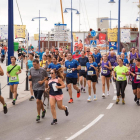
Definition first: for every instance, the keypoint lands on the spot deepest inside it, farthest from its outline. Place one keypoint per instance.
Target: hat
(77, 51)
(111, 48)
(56, 48)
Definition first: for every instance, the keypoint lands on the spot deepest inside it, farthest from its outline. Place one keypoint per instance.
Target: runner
(121, 81)
(76, 56)
(106, 68)
(125, 60)
(13, 71)
(137, 52)
(43, 62)
(2, 55)
(46, 52)
(97, 57)
(61, 58)
(19, 54)
(136, 81)
(40, 54)
(5, 110)
(56, 85)
(71, 78)
(88, 52)
(133, 54)
(123, 51)
(54, 64)
(38, 76)
(82, 73)
(56, 54)
(29, 65)
(91, 68)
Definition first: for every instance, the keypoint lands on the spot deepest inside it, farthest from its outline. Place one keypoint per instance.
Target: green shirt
(13, 74)
(22, 49)
(119, 70)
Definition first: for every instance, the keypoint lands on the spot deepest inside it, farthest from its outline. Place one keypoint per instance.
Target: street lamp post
(71, 23)
(39, 25)
(119, 6)
(10, 31)
(108, 19)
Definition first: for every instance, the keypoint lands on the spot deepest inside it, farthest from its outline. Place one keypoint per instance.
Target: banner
(3, 32)
(20, 31)
(113, 45)
(36, 36)
(112, 35)
(102, 38)
(125, 35)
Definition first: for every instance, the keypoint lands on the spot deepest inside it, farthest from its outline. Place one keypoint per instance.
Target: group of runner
(49, 72)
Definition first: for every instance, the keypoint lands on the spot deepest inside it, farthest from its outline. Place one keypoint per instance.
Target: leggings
(121, 85)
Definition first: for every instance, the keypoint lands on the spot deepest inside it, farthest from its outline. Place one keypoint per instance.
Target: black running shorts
(71, 81)
(38, 94)
(84, 74)
(135, 85)
(92, 78)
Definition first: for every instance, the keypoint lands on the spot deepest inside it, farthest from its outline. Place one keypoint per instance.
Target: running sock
(14, 99)
(70, 98)
(4, 105)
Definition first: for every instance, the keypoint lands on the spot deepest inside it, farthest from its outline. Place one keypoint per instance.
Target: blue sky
(89, 9)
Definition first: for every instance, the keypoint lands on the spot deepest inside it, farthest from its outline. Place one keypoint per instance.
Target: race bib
(83, 67)
(120, 78)
(69, 71)
(138, 77)
(13, 78)
(90, 72)
(104, 71)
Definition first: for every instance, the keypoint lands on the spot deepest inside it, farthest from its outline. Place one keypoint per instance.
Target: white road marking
(110, 105)
(86, 128)
(114, 98)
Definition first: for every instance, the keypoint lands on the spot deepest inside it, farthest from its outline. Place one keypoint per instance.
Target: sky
(90, 10)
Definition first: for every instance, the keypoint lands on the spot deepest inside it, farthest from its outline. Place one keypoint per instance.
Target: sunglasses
(52, 73)
(88, 51)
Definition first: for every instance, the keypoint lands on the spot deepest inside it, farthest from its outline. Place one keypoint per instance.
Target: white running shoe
(108, 93)
(89, 99)
(103, 95)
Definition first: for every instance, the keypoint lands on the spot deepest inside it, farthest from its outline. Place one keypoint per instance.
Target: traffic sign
(93, 33)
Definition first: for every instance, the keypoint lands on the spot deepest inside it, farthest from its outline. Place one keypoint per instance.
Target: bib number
(90, 72)
(13, 78)
(104, 71)
(83, 67)
(138, 77)
(120, 78)
(69, 71)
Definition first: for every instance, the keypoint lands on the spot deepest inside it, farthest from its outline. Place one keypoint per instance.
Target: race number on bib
(90, 72)
(13, 78)
(83, 67)
(69, 71)
(120, 78)
(138, 77)
(104, 71)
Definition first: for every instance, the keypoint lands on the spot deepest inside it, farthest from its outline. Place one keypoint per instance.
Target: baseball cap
(77, 51)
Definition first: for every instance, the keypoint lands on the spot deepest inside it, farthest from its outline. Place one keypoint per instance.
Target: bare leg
(103, 84)
(52, 103)
(94, 87)
(108, 83)
(2, 100)
(15, 91)
(76, 88)
(31, 88)
(84, 82)
(81, 81)
(60, 106)
(70, 90)
(89, 87)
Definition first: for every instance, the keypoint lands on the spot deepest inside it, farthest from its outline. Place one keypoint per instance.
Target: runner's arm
(110, 68)
(61, 83)
(1, 71)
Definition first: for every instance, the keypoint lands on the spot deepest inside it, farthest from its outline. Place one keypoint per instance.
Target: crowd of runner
(53, 70)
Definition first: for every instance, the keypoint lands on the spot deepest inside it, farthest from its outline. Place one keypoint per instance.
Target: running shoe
(84, 90)
(135, 99)
(14, 102)
(5, 110)
(123, 101)
(117, 101)
(31, 99)
(54, 122)
(67, 111)
(95, 97)
(43, 113)
(108, 93)
(103, 95)
(137, 102)
(78, 94)
(89, 99)
(70, 101)
(38, 118)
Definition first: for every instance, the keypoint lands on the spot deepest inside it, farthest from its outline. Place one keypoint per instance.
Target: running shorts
(71, 81)
(84, 74)
(92, 78)
(38, 94)
(135, 85)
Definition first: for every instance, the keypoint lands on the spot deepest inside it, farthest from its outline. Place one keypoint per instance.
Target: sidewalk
(23, 95)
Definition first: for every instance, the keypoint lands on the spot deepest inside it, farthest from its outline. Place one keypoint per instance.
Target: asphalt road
(86, 121)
